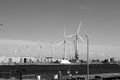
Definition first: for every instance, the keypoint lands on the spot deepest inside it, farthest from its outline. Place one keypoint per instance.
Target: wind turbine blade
(64, 33)
(79, 27)
(82, 39)
(68, 42)
(55, 42)
(71, 35)
(59, 43)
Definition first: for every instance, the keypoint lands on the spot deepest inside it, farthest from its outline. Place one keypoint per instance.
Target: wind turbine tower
(76, 42)
(64, 45)
(65, 41)
(76, 48)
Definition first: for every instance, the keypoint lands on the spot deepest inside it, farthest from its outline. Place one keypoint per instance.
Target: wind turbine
(64, 42)
(53, 47)
(53, 44)
(59, 42)
(77, 36)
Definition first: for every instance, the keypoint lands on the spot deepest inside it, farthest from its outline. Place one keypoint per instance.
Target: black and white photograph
(59, 39)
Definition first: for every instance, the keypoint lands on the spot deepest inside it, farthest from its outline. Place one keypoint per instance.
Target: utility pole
(87, 57)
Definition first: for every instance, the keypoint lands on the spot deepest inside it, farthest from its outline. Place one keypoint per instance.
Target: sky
(30, 21)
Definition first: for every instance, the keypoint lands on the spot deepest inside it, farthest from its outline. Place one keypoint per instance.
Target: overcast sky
(45, 20)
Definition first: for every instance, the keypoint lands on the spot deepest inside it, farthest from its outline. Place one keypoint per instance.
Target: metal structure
(87, 57)
(77, 36)
(59, 42)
